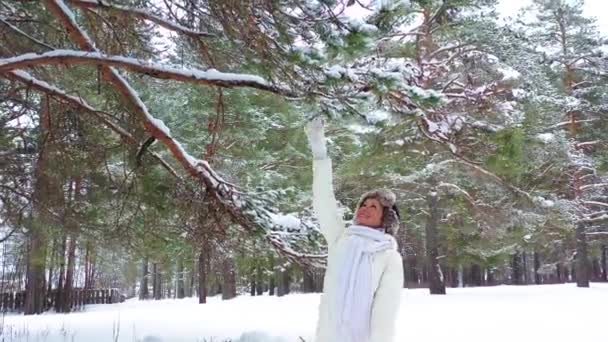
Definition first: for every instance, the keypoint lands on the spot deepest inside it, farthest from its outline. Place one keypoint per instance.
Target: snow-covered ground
(553, 313)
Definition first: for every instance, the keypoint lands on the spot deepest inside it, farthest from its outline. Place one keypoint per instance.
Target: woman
(364, 276)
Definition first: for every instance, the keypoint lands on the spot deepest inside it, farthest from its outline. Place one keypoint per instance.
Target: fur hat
(390, 216)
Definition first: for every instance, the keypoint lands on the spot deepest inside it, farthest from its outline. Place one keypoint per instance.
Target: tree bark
(308, 284)
(59, 295)
(259, 289)
(202, 275)
(143, 287)
(604, 262)
(476, 275)
(582, 259)
(89, 275)
(282, 281)
(524, 267)
(69, 276)
(436, 281)
(229, 279)
(156, 281)
(596, 270)
(537, 276)
(35, 282)
(53, 253)
(516, 269)
(180, 278)
(46, 194)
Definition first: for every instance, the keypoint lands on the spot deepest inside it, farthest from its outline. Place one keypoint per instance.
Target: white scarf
(355, 294)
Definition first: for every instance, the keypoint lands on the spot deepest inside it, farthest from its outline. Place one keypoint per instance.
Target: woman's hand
(316, 137)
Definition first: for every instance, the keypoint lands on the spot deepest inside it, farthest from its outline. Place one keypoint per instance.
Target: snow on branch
(46, 88)
(242, 209)
(597, 185)
(595, 219)
(588, 143)
(209, 77)
(597, 234)
(459, 189)
(506, 184)
(19, 31)
(599, 204)
(140, 13)
(566, 123)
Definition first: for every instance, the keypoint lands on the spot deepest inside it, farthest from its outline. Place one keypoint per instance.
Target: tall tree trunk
(308, 284)
(202, 275)
(59, 295)
(411, 271)
(35, 282)
(271, 286)
(516, 269)
(229, 279)
(143, 287)
(476, 275)
(436, 281)
(537, 277)
(283, 280)
(271, 281)
(252, 285)
(460, 275)
(193, 274)
(604, 262)
(69, 276)
(157, 281)
(524, 266)
(89, 266)
(286, 280)
(559, 270)
(490, 277)
(259, 289)
(180, 278)
(582, 259)
(596, 270)
(46, 194)
(53, 253)
(72, 226)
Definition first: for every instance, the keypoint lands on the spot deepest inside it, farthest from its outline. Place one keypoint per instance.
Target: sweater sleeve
(387, 300)
(324, 201)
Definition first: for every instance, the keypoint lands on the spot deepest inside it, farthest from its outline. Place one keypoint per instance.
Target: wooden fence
(15, 301)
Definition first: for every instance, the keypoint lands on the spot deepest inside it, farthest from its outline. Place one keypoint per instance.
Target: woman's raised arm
(324, 200)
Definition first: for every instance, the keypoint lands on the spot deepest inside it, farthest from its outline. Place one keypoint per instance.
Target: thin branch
(210, 77)
(7, 236)
(446, 48)
(595, 219)
(44, 87)
(599, 204)
(140, 13)
(495, 177)
(588, 143)
(19, 31)
(597, 185)
(459, 189)
(566, 123)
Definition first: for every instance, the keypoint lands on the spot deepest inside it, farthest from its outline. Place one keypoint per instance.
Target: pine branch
(22, 33)
(599, 204)
(80, 103)
(210, 77)
(240, 208)
(140, 13)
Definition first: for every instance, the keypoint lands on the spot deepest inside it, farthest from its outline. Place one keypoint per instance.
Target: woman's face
(370, 213)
